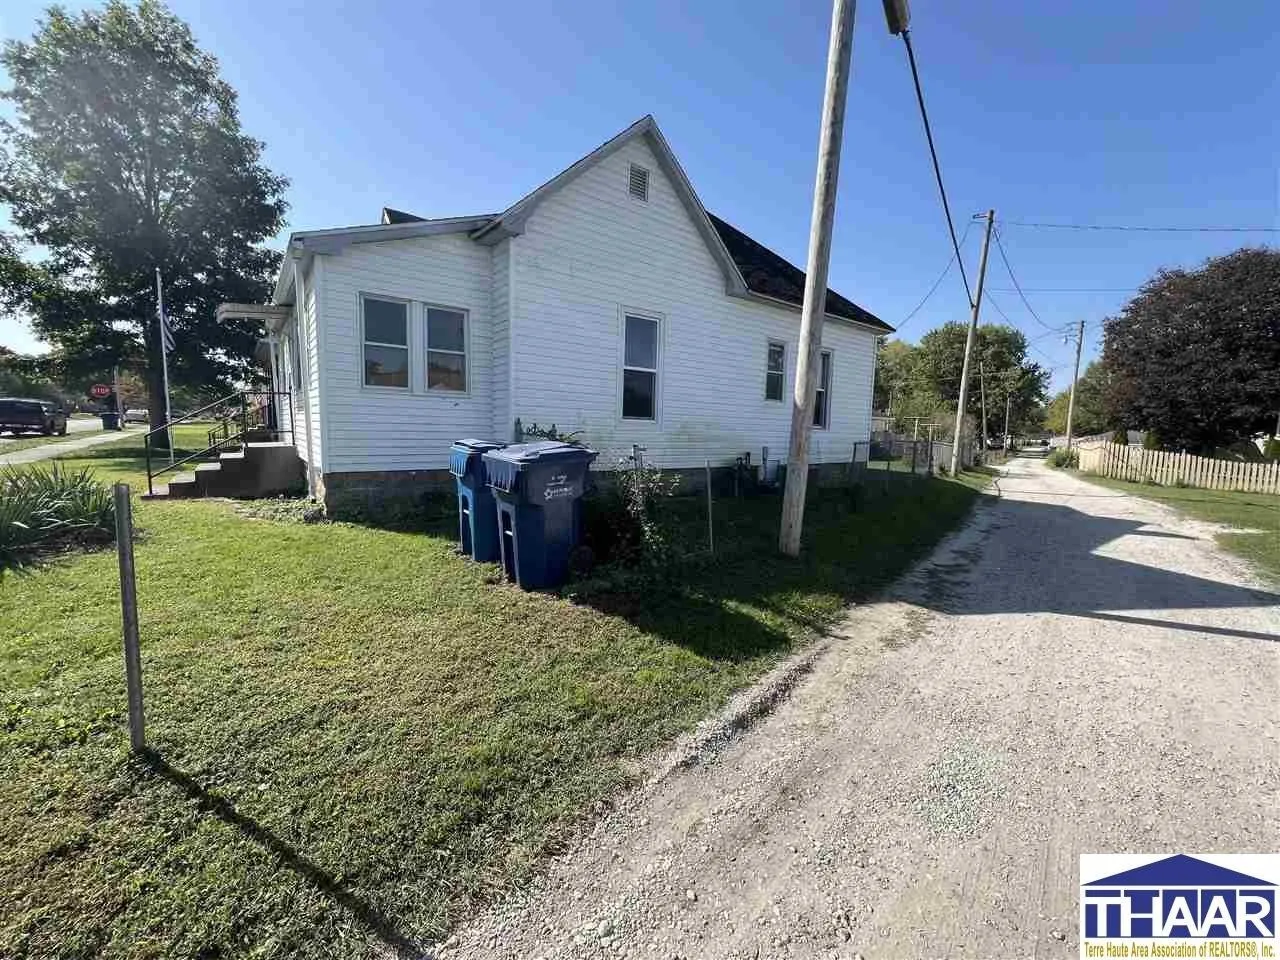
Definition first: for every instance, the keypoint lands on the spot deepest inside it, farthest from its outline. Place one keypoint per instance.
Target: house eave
(879, 330)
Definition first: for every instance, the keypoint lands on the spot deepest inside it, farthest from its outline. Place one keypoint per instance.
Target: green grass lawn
(1255, 512)
(357, 735)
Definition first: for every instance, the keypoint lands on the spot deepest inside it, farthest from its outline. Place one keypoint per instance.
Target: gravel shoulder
(1073, 672)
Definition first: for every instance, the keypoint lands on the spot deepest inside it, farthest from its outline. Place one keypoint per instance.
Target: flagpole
(164, 360)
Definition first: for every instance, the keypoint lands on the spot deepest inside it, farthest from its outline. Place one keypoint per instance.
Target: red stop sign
(100, 390)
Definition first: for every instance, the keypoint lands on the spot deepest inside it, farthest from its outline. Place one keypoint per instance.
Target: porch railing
(235, 419)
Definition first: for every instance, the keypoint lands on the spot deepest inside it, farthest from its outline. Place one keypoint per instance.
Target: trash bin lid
(467, 453)
(503, 466)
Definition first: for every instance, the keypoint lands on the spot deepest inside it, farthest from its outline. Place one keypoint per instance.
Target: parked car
(135, 415)
(25, 415)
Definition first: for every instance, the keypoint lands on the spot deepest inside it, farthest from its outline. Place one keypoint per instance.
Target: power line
(937, 170)
(1137, 228)
(1068, 289)
(1026, 303)
(937, 283)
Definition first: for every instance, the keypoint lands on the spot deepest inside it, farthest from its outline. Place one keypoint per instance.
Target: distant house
(607, 301)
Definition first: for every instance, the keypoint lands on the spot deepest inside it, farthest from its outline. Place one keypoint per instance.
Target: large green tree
(1000, 351)
(1195, 356)
(1092, 415)
(126, 155)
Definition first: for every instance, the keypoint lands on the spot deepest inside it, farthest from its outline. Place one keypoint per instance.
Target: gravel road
(1074, 672)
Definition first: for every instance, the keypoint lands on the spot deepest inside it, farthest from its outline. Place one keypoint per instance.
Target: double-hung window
(640, 368)
(446, 349)
(775, 370)
(822, 401)
(386, 342)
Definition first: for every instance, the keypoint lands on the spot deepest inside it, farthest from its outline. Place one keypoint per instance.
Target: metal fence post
(129, 615)
(711, 532)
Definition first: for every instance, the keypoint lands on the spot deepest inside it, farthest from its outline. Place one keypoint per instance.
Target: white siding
(383, 428)
(500, 306)
(312, 368)
(589, 252)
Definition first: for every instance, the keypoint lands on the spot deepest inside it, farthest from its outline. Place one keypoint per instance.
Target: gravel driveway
(1076, 671)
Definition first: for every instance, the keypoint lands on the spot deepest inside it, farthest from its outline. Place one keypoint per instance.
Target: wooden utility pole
(1071, 401)
(809, 354)
(1007, 398)
(968, 344)
(982, 390)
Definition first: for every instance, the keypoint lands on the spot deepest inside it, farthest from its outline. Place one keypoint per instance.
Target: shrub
(1120, 437)
(630, 523)
(1064, 459)
(1150, 441)
(1271, 452)
(46, 508)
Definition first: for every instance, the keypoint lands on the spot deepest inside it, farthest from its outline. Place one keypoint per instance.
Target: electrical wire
(937, 169)
(1026, 303)
(937, 283)
(1138, 229)
(1068, 289)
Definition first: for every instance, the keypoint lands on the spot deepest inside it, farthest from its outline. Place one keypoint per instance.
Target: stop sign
(100, 390)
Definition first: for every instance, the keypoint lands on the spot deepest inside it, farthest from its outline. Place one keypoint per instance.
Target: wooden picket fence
(1170, 469)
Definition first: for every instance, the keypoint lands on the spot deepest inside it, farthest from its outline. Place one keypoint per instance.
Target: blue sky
(1087, 112)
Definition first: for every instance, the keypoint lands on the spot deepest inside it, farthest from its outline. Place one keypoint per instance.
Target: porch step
(255, 470)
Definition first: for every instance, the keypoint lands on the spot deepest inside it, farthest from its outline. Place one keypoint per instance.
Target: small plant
(44, 508)
(535, 432)
(1064, 459)
(1271, 451)
(1120, 437)
(1150, 441)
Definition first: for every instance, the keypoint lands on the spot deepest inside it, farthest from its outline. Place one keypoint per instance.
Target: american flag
(166, 331)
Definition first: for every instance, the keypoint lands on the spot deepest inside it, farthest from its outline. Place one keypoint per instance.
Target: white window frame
(408, 345)
(623, 366)
(769, 344)
(827, 389)
(648, 182)
(466, 350)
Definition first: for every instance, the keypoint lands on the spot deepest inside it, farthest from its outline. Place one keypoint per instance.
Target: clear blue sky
(1089, 112)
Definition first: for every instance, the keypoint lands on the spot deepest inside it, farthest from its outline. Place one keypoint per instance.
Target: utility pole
(1007, 398)
(1071, 401)
(982, 389)
(809, 354)
(968, 344)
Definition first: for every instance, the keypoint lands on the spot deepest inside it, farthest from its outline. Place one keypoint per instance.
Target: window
(639, 182)
(822, 401)
(386, 342)
(640, 369)
(775, 370)
(446, 349)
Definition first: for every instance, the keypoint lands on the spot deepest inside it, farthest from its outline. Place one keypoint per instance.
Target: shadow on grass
(374, 920)
(749, 599)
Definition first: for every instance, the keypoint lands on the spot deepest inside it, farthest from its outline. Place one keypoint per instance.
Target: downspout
(299, 306)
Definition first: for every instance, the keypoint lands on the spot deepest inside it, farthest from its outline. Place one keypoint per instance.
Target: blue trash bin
(537, 490)
(477, 519)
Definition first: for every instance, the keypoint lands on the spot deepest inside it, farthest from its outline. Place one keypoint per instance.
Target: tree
(126, 155)
(1002, 351)
(1092, 414)
(1195, 356)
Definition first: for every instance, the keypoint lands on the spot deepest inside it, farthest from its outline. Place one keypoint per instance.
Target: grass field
(1256, 513)
(356, 735)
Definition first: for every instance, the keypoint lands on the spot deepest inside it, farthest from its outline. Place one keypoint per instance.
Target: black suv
(21, 415)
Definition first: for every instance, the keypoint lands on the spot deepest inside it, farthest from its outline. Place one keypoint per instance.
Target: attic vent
(639, 182)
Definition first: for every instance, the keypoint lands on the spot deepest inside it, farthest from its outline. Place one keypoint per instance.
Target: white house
(607, 301)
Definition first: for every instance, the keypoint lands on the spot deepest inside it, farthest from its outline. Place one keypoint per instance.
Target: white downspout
(299, 306)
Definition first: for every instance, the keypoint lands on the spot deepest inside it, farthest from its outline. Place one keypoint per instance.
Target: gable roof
(771, 275)
(1179, 870)
(512, 220)
(750, 269)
